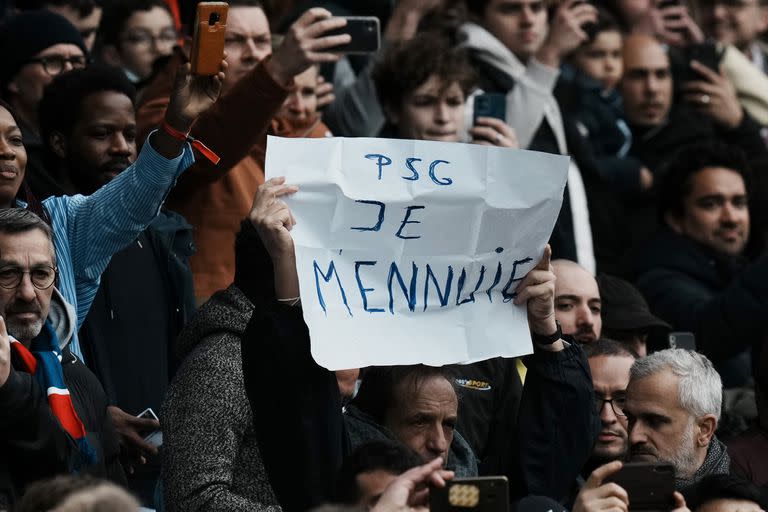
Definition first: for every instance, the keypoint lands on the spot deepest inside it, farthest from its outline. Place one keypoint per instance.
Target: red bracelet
(185, 137)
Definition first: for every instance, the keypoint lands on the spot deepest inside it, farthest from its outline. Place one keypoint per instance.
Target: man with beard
(706, 107)
(53, 416)
(673, 405)
(695, 272)
(88, 125)
(577, 301)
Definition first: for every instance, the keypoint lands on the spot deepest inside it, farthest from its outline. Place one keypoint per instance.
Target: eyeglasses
(617, 404)
(42, 277)
(55, 64)
(146, 39)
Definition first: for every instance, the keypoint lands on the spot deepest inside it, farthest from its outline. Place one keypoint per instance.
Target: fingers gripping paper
(410, 251)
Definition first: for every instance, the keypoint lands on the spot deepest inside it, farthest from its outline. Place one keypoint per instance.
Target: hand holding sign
(273, 221)
(538, 291)
(411, 251)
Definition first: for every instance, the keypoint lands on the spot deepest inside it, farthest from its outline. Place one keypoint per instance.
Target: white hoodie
(531, 100)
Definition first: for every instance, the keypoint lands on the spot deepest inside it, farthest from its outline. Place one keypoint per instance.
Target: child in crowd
(592, 75)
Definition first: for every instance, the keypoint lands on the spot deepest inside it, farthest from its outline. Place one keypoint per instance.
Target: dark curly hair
(677, 176)
(406, 66)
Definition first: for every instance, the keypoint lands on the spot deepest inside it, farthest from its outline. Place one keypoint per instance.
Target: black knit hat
(27, 34)
(624, 308)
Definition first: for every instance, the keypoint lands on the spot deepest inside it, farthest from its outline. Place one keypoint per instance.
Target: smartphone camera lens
(213, 18)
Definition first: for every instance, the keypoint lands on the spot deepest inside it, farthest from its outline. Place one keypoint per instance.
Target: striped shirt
(88, 230)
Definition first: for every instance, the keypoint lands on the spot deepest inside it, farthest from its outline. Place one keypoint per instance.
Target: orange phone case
(208, 42)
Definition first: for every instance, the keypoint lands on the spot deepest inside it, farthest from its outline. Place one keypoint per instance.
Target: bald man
(577, 301)
(662, 122)
(647, 83)
(707, 106)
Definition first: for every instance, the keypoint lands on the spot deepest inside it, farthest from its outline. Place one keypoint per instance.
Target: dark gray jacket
(211, 460)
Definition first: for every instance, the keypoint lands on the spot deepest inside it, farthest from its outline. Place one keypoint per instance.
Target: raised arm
(240, 119)
(88, 230)
(303, 449)
(557, 425)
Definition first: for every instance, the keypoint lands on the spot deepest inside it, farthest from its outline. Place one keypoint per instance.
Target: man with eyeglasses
(135, 34)
(52, 407)
(36, 46)
(609, 364)
(740, 23)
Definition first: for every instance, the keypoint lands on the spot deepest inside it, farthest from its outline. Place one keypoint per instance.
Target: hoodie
(211, 460)
(529, 97)
(34, 445)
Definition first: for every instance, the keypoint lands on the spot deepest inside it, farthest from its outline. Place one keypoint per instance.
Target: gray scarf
(717, 462)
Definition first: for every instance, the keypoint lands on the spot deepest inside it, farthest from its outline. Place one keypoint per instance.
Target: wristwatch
(542, 339)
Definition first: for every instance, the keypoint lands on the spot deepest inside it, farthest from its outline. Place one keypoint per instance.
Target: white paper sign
(409, 251)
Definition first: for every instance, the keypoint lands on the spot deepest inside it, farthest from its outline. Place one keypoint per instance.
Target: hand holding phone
(672, 23)
(364, 33)
(208, 41)
(649, 486)
(154, 437)
(306, 43)
(481, 494)
(565, 32)
(596, 491)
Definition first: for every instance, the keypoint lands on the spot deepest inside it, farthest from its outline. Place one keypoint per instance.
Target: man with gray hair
(53, 410)
(673, 406)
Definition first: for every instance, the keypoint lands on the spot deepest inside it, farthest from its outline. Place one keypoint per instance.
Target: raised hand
(674, 25)
(273, 221)
(192, 95)
(565, 31)
(537, 290)
(597, 496)
(714, 95)
(305, 44)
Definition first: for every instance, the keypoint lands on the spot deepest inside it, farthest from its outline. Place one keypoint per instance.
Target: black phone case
(649, 486)
(365, 32)
(490, 105)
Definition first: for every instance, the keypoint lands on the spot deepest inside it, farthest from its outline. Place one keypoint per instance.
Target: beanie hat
(624, 307)
(27, 34)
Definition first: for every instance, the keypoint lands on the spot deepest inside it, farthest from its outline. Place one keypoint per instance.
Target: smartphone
(365, 32)
(685, 340)
(482, 494)
(489, 105)
(703, 53)
(650, 485)
(208, 41)
(155, 437)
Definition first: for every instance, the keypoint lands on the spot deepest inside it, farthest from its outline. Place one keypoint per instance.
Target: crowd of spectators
(139, 273)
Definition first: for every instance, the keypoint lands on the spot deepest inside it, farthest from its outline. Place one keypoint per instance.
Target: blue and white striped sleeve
(99, 225)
